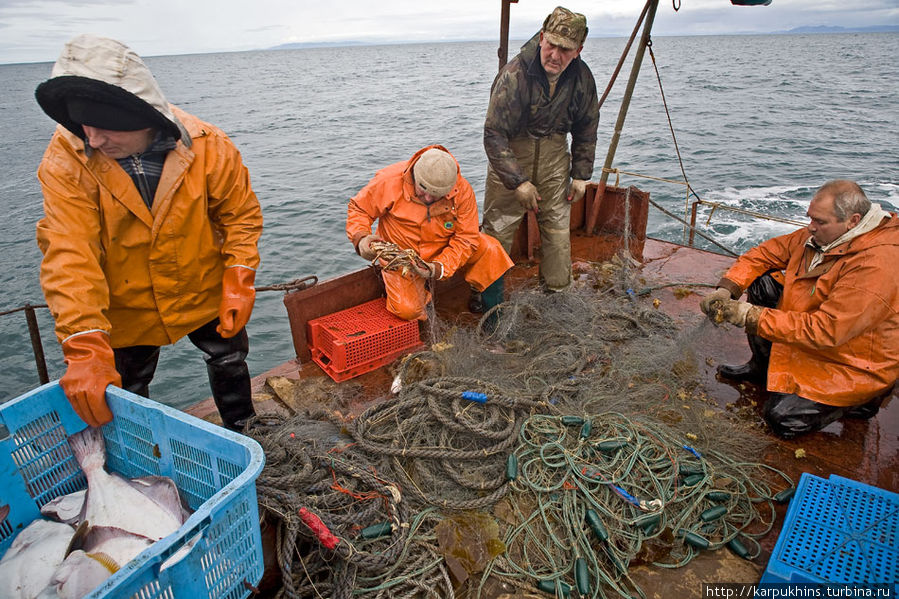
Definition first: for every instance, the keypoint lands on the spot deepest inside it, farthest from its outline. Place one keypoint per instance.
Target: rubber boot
(491, 297)
(475, 302)
(790, 415)
(136, 365)
(866, 411)
(869, 409)
(756, 369)
(229, 376)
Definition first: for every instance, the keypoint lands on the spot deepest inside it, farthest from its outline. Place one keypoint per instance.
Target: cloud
(35, 31)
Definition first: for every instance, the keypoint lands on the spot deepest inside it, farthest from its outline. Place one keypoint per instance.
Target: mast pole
(622, 113)
(503, 51)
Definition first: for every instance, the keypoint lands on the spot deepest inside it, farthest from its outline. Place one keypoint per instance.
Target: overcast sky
(35, 30)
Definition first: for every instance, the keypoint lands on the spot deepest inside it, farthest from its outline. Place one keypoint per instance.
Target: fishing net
(554, 446)
(322, 491)
(594, 497)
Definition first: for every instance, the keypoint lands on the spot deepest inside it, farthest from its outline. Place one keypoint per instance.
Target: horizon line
(801, 30)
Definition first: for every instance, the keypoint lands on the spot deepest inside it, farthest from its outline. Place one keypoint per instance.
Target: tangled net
(337, 518)
(567, 446)
(594, 497)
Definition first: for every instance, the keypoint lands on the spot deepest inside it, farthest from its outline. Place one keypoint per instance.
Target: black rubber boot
(475, 302)
(491, 297)
(136, 364)
(756, 369)
(229, 376)
(790, 415)
(867, 410)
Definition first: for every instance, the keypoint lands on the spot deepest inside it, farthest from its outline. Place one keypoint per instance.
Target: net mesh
(556, 447)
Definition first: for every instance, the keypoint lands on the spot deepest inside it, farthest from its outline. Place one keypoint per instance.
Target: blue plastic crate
(837, 531)
(214, 469)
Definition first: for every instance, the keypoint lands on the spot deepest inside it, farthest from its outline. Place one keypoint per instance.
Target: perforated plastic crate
(837, 531)
(359, 339)
(214, 469)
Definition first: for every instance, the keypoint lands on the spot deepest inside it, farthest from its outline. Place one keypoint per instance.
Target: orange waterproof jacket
(444, 232)
(835, 332)
(145, 278)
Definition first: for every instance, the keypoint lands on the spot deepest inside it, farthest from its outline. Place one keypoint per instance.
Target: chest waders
(547, 162)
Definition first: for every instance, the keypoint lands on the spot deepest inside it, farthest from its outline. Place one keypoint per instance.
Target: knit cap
(435, 172)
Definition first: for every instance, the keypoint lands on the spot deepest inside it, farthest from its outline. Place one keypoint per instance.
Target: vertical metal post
(503, 51)
(622, 113)
(693, 223)
(36, 346)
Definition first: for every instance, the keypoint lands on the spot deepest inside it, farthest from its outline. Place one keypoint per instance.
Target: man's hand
(430, 270)
(709, 302)
(238, 297)
(91, 367)
(735, 311)
(576, 190)
(527, 196)
(364, 247)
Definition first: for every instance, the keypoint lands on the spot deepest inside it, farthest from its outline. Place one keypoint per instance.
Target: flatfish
(104, 552)
(161, 489)
(111, 501)
(28, 565)
(117, 519)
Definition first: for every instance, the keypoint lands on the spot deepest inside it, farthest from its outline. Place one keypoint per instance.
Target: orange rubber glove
(238, 295)
(91, 367)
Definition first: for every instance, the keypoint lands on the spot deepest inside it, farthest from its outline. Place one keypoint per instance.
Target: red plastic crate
(359, 339)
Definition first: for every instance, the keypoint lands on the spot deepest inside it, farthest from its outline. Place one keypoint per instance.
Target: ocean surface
(761, 122)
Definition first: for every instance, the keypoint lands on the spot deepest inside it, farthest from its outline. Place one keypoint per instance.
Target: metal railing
(715, 206)
(35, 333)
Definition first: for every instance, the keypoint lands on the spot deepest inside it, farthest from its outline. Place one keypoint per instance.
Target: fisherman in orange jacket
(149, 232)
(823, 313)
(424, 204)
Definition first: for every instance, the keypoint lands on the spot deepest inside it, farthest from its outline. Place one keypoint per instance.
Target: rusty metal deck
(867, 451)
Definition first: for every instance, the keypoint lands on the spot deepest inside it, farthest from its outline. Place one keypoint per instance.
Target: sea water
(760, 122)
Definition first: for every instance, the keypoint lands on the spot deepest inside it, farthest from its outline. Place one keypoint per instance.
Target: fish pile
(90, 534)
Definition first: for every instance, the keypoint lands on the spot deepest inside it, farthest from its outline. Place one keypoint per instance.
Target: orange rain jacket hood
(146, 277)
(444, 232)
(835, 333)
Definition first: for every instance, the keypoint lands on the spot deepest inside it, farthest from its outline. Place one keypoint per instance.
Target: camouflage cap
(565, 28)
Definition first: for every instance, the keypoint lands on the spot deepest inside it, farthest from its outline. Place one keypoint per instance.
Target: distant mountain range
(297, 45)
(795, 30)
(832, 29)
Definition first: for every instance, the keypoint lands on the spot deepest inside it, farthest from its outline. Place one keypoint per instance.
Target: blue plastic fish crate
(837, 531)
(214, 469)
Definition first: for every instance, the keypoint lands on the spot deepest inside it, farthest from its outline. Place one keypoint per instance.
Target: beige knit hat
(436, 172)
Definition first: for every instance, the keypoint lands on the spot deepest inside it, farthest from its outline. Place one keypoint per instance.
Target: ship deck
(866, 451)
